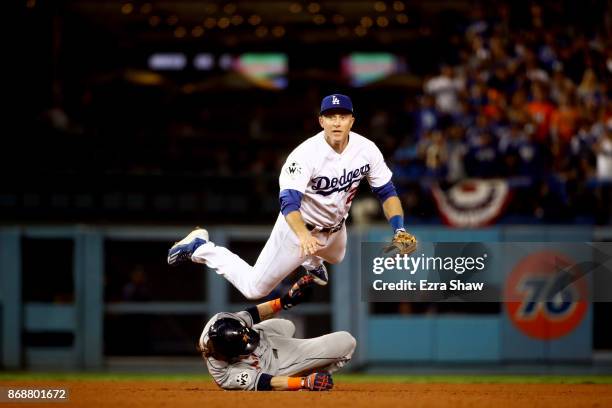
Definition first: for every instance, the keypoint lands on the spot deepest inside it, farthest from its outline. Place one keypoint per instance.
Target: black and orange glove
(318, 382)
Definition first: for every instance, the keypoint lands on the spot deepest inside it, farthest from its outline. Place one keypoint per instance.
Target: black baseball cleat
(298, 293)
(305, 282)
(319, 275)
(182, 251)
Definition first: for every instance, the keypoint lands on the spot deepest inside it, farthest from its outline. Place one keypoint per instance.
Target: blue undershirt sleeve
(290, 200)
(385, 191)
(264, 383)
(254, 312)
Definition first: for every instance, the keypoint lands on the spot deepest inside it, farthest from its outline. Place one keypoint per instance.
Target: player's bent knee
(336, 259)
(256, 292)
(289, 328)
(347, 341)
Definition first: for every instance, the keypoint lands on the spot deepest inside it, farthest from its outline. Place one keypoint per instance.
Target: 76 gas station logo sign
(542, 299)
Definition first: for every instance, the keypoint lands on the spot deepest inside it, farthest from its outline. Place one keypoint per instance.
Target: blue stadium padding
(10, 293)
(518, 347)
(217, 293)
(483, 338)
(415, 338)
(89, 285)
(50, 357)
(343, 277)
(427, 339)
(400, 339)
(467, 339)
(439, 234)
(349, 300)
(547, 233)
(577, 345)
(49, 317)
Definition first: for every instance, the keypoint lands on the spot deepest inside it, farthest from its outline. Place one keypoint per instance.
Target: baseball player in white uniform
(244, 352)
(317, 185)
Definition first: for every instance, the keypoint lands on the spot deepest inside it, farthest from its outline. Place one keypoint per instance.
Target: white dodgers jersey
(329, 180)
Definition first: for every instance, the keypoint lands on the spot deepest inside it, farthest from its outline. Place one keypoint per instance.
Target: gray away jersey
(243, 374)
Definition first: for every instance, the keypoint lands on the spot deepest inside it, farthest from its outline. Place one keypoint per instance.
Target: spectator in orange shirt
(541, 112)
(564, 121)
(496, 105)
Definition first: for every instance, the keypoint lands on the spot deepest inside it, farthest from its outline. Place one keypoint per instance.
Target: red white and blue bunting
(472, 203)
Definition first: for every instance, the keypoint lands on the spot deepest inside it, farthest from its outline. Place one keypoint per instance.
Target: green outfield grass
(476, 379)
(347, 378)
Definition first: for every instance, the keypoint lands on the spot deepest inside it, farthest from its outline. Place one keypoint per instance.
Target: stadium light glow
(203, 61)
(167, 61)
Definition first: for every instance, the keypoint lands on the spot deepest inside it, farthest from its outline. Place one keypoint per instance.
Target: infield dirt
(176, 394)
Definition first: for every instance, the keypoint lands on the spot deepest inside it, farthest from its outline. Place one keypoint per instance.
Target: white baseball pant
(279, 257)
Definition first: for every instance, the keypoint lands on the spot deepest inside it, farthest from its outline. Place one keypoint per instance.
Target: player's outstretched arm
(320, 381)
(391, 204)
(294, 296)
(392, 207)
(314, 382)
(402, 242)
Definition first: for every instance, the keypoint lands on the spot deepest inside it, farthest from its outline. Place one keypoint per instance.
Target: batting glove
(318, 382)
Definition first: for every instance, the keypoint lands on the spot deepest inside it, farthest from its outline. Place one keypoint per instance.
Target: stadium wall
(400, 339)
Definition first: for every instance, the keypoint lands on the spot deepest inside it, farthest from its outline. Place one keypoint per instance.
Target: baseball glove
(403, 243)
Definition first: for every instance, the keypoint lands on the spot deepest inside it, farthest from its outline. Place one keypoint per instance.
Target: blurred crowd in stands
(515, 91)
(529, 102)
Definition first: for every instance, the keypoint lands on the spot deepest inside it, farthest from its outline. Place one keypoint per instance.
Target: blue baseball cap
(336, 101)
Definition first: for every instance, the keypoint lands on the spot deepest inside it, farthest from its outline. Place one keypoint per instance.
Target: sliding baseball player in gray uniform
(249, 350)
